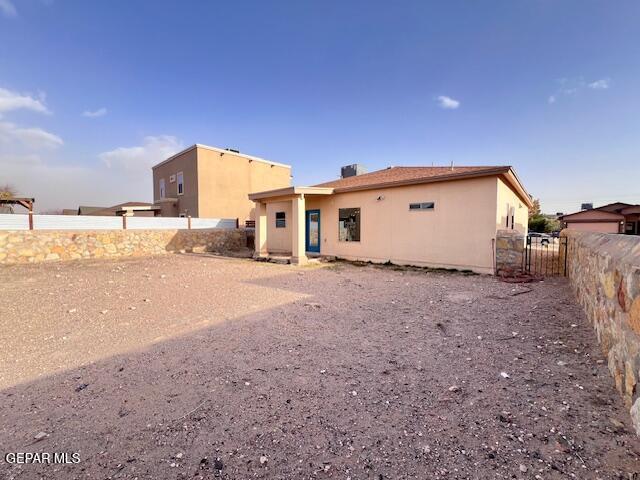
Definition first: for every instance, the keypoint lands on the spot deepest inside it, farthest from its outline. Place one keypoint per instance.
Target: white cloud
(8, 8)
(30, 138)
(447, 103)
(142, 158)
(602, 84)
(122, 175)
(572, 87)
(15, 101)
(101, 112)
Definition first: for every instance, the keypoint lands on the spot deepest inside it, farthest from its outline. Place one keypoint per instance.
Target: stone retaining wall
(509, 252)
(50, 245)
(604, 271)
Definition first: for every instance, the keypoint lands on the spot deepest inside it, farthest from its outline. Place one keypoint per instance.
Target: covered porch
(284, 226)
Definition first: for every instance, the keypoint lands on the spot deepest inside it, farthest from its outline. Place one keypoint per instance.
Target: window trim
(180, 182)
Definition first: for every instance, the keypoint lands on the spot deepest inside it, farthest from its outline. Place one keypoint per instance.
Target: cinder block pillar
(261, 230)
(298, 255)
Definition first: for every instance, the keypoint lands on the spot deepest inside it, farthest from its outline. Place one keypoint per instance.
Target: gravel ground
(188, 366)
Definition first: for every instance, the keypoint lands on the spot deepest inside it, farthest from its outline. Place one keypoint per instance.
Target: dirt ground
(188, 366)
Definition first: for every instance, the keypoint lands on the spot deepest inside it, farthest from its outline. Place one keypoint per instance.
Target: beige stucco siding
(186, 163)
(458, 233)
(279, 238)
(507, 199)
(224, 182)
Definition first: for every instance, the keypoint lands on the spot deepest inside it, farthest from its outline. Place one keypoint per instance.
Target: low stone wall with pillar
(604, 272)
(34, 246)
(510, 246)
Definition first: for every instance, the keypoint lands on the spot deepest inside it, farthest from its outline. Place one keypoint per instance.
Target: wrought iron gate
(545, 255)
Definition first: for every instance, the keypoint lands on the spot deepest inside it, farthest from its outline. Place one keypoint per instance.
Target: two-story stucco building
(209, 182)
(427, 216)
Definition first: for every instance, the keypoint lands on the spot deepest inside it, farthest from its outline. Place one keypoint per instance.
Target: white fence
(88, 222)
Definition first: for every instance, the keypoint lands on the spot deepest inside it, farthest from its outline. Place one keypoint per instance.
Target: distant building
(129, 209)
(615, 217)
(209, 182)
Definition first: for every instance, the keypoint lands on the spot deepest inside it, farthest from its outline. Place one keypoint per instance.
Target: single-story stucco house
(425, 216)
(617, 217)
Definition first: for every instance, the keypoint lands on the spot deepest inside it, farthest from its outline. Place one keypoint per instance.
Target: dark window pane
(349, 224)
(281, 220)
(422, 206)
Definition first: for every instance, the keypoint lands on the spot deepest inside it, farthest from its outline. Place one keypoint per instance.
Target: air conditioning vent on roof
(352, 170)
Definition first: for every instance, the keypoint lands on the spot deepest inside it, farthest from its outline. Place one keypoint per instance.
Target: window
(281, 220)
(162, 188)
(180, 183)
(511, 211)
(422, 206)
(349, 224)
(172, 179)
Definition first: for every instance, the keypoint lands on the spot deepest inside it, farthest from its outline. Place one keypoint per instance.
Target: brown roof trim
(595, 220)
(418, 181)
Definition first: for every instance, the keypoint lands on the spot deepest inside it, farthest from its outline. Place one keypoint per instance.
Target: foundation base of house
(281, 259)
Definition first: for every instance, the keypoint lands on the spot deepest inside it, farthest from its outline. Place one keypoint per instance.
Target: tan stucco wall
(279, 239)
(507, 198)
(458, 233)
(187, 203)
(215, 185)
(597, 227)
(224, 182)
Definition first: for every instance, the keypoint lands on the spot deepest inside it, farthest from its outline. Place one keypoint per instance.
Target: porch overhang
(297, 196)
(289, 192)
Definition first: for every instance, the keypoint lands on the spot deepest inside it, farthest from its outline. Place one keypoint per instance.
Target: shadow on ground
(364, 373)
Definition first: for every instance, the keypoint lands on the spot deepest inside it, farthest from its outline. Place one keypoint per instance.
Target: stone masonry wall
(509, 252)
(50, 245)
(604, 271)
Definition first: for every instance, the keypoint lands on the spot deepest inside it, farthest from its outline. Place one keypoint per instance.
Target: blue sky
(93, 93)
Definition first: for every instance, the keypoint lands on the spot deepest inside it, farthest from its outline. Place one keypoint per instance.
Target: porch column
(261, 230)
(298, 208)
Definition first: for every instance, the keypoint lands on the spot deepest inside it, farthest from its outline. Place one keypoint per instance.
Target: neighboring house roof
(614, 207)
(86, 210)
(221, 151)
(610, 212)
(630, 210)
(110, 211)
(593, 215)
(69, 211)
